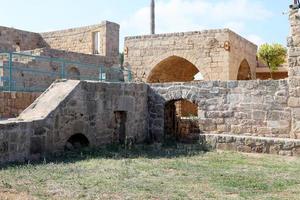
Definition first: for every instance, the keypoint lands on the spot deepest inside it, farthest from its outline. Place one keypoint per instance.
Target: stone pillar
(294, 72)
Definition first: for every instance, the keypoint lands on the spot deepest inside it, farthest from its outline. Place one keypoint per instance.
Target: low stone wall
(248, 144)
(251, 108)
(13, 103)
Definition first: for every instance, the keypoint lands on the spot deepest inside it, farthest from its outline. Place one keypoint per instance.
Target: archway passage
(244, 72)
(181, 120)
(173, 69)
(77, 141)
(73, 73)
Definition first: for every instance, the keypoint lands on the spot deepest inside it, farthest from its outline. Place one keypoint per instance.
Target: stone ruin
(248, 116)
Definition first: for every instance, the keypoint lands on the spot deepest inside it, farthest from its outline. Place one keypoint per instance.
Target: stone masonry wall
(241, 49)
(17, 40)
(80, 40)
(86, 65)
(294, 70)
(72, 107)
(206, 50)
(250, 108)
(13, 103)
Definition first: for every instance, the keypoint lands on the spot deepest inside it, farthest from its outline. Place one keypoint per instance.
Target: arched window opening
(173, 69)
(77, 141)
(73, 73)
(181, 120)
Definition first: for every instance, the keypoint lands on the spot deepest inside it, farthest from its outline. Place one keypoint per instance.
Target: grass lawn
(150, 174)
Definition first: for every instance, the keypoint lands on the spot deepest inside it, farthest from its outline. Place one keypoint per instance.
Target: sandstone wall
(48, 67)
(17, 40)
(241, 49)
(294, 70)
(251, 108)
(80, 40)
(206, 50)
(13, 103)
(74, 107)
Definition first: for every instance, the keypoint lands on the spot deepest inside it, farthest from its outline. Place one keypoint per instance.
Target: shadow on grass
(117, 152)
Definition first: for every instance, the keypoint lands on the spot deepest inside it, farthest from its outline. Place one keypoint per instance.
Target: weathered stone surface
(261, 115)
(207, 54)
(12, 104)
(250, 144)
(48, 124)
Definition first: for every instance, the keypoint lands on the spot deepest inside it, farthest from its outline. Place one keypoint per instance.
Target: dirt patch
(14, 195)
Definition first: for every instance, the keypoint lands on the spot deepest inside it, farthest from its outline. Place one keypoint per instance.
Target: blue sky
(258, 20)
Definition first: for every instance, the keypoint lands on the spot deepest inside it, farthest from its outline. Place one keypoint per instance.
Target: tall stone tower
(152, 17)
(294, 69)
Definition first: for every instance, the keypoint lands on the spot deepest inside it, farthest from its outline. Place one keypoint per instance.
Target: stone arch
(173, 69)
(73, 73)
(77, 141)
(244, 71)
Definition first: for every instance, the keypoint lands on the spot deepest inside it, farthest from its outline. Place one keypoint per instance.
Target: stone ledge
(225, 30)
(250, 144)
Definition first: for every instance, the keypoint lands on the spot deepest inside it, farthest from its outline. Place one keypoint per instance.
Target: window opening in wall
(96, 42)
(120, 127)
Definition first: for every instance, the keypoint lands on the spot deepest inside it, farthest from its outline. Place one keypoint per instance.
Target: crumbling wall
(80, 40)
(13, 103)
(252, 108)
(17, 40)
(72, 107)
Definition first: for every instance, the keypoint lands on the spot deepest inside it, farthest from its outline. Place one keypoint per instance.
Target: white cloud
(190, 15)
(255, 39)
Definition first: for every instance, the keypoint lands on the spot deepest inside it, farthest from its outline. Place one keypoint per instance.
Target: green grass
(146, 173)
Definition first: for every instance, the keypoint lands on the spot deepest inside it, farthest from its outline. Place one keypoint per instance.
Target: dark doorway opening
(77, 141)
(120, 127)
(181, 120)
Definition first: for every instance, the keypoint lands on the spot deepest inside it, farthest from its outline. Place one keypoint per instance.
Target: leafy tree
(273, 55)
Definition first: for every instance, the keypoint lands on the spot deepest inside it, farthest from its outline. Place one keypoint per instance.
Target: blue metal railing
(31, 73)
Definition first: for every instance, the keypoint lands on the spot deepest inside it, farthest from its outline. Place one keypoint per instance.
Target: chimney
(152, 17)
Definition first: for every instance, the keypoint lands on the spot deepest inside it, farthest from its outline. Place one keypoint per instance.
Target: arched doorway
(73, 73)
(181, 120)
(244, 72)
(173, 69)
(77, 141)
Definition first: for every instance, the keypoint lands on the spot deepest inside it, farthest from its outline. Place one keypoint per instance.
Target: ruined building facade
(248, 116)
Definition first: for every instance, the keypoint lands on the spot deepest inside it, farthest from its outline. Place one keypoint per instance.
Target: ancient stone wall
(217, 54)
(294, 70)
(70, 108)
(76, 65)
(80, 40)
(13, 103)
(241, 49)
(17, 40)
(251, 108)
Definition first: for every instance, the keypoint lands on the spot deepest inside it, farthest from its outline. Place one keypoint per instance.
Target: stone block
(258, 115)
(294, 102)
(226, 146)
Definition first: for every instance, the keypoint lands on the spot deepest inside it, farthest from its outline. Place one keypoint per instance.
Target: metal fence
(30, 73)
